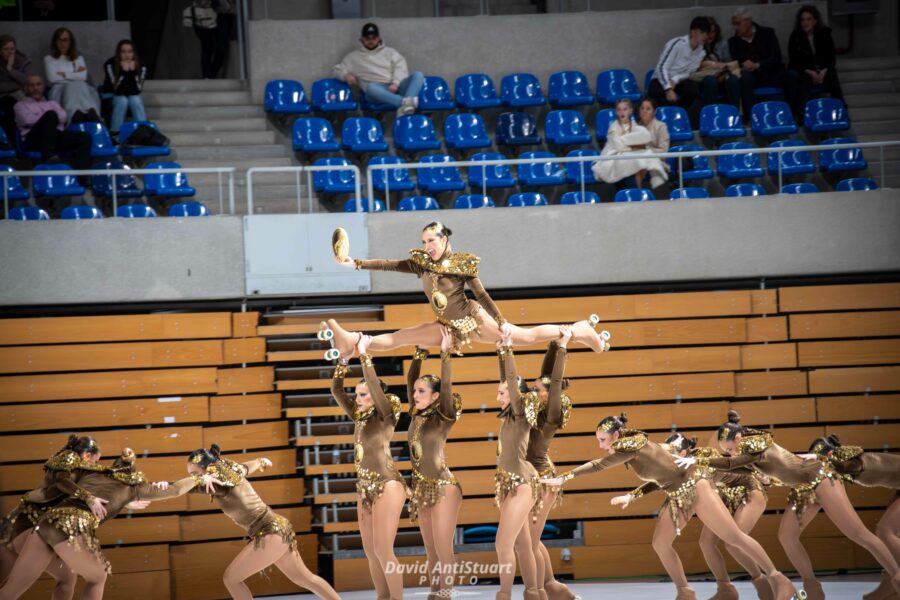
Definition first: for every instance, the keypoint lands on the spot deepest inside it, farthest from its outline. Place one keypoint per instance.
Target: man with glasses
(381, 73)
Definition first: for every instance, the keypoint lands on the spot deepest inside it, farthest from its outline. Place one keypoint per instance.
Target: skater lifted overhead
(445, 275)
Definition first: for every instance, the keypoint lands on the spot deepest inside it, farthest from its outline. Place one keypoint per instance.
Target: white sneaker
(405, 109)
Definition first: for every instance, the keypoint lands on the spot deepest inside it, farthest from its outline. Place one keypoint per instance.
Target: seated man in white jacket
(681, 56)
(381, 73)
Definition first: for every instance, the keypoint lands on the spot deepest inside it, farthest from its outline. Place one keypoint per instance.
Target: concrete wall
(96, 41)
(496, 45)
(167, 259)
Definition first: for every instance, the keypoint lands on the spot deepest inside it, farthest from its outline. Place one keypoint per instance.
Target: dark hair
(678, 442)
(649, 99)
(117, 68)
(81, 444)
(522, 385)
(433, 381)
(6, 38)
(73, 49)
(381, 383)
(812, 10)
(823, 446)
(729, 430)
(439, 229)
(204, 457)
(700, 23)
(125, 462)
(612, 423)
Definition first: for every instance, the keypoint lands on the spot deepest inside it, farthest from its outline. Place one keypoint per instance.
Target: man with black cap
(381, 73)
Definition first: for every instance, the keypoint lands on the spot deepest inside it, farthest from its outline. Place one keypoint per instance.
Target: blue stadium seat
(615, 84)
(540, 173)
(465, 130)
(20, 148)
(314, 134)
(837, 161)
(435, 94)
(362, 134)
(823, 115)
(569, 88)
(517, 129)
(418, 203)
(576, 172)
(4, 141)
(473, 201)
(700, 169)
(799, 188)
(376, 205)
(285, 96)
(677, 122)
(476, 90)
(856, 184)
(126, 185)
(439, 179)
(191, 208)
(167, 184)
(602, 120)
(366, 106)
(55, 185)
(521, 89)
(526, 199)
(82, 211)
(688, 193)
(744, 189)
(28, 213)
(648, 77)
(792, 163)
(634, 195)
(565, 128)
(480, 534)
(14, 189)
(135, 211)
(128, 127)
(772, 118)
(341, 181)
(332, 95)
(398, 180)
(101, 143)
(721, 121)
(415, 132)
(579, 198)
(490, 176)
(736, 166)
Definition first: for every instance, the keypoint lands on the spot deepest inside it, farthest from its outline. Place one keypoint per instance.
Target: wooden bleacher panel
(778, 411)
(858, 408)
(108, 384)
(857, 352)
(251, 379)
(244, 350)
(839, 297)
(251, 407)
(218, 526)
(140, 530)
(854, 380)
(265, 434)
(106, 413)
(767, 329)
(845, 325)
(162, 440)
(769, 356)
(873, 436)
(244, 324)
(763, 302)
(772, 383)
(119, 586)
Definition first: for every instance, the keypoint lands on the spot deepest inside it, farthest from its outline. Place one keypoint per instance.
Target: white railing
(114, 173)
(309, 170)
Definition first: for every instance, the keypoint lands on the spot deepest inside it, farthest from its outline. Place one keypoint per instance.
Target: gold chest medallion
(416, 448)
(499, 447)
(358, 453)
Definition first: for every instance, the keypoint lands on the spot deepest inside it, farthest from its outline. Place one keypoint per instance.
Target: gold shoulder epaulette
(754, 444)
(458, 263)
(566, 411)
(128, 477)
(706, 452)
(67, 460)
(843, 453)
(227, 471)
(396, 407)
(630, 443)
(532, 404)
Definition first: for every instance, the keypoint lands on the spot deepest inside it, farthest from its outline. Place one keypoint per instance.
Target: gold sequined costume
(427, 436)
(372, 434)
(444, 282)
(513, 468)
(870, 469)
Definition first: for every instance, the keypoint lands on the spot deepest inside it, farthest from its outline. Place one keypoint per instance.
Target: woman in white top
(625, 137)
(659, 132)
(68, 77)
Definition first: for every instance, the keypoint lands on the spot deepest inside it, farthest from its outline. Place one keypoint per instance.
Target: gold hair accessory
(197, 459)
(819, 448)
(546, 380)
(723, 434)
(438, 228)
(340, 244)
(607, 425)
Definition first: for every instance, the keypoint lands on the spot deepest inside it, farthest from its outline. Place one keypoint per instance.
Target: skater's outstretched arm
(484, 299)
(448, 405)
(382, 404)
(415, 371)
(400, 266)
(337, 390)
(554, 398)
(517, 406)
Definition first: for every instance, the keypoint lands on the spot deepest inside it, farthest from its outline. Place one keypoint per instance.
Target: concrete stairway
(216, 123)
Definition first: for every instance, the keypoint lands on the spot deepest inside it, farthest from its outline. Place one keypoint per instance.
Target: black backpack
(144, 135)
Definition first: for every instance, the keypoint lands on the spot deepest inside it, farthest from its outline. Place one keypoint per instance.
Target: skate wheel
(325, 334)
(593, 319)
(332, 354)
(605, 335)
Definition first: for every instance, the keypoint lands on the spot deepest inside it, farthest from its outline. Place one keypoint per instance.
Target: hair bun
(73, 441)
(692, 441)
(215, 450)
(834, 439)
(128, 456)
(623, 418)
(734, 417)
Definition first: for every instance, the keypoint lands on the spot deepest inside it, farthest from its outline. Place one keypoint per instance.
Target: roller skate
(813, 589)
(343, 342)
(763, 588)
(784, 589)
(724, 591)
(585, 332)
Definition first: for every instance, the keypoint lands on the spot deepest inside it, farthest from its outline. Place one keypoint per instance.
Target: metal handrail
(309, 170)
(230, 171)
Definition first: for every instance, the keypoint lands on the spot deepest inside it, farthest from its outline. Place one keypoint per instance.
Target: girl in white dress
(627, 137)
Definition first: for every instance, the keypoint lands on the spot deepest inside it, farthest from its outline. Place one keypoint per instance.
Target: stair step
(169, 126)
(203, 99)
(867, 100)
(867, 63)
(885, 127)
(868, 87)
(231, 153)
(183, 139)
(194, 85)
(204, 113)
(879, 113)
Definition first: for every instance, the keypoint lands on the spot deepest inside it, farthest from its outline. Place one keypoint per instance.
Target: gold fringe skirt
(370, 486)
(22, 518)
(426, 492)
(549, 473)
(736, 496)
(804, 495)
(461, 330)
(78, 526)
(680, 502)
(506, 483)
(279, 526)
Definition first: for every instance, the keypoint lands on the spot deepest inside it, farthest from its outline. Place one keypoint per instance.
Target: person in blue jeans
(124, 81)
(381, 73)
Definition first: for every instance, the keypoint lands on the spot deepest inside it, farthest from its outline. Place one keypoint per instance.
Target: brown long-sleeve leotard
(428, 436)
(547, 420)
(372, 434)
(870, 469)
(759, 452)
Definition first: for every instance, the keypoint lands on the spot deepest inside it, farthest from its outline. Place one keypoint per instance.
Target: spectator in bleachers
(811, 56)
(718, 74)
(42, 123)
(14, 68)
(381, 73)
(67, 75)
(681, 56)
(124, 79)
(758, 53)
(214, 40)
(625, 136)
(659, 131)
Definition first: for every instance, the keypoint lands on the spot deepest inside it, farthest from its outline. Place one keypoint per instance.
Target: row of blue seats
(168, 185)
(101, 142)
(450, 178)
(413, 203)
(463, 131)
(127, 211)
